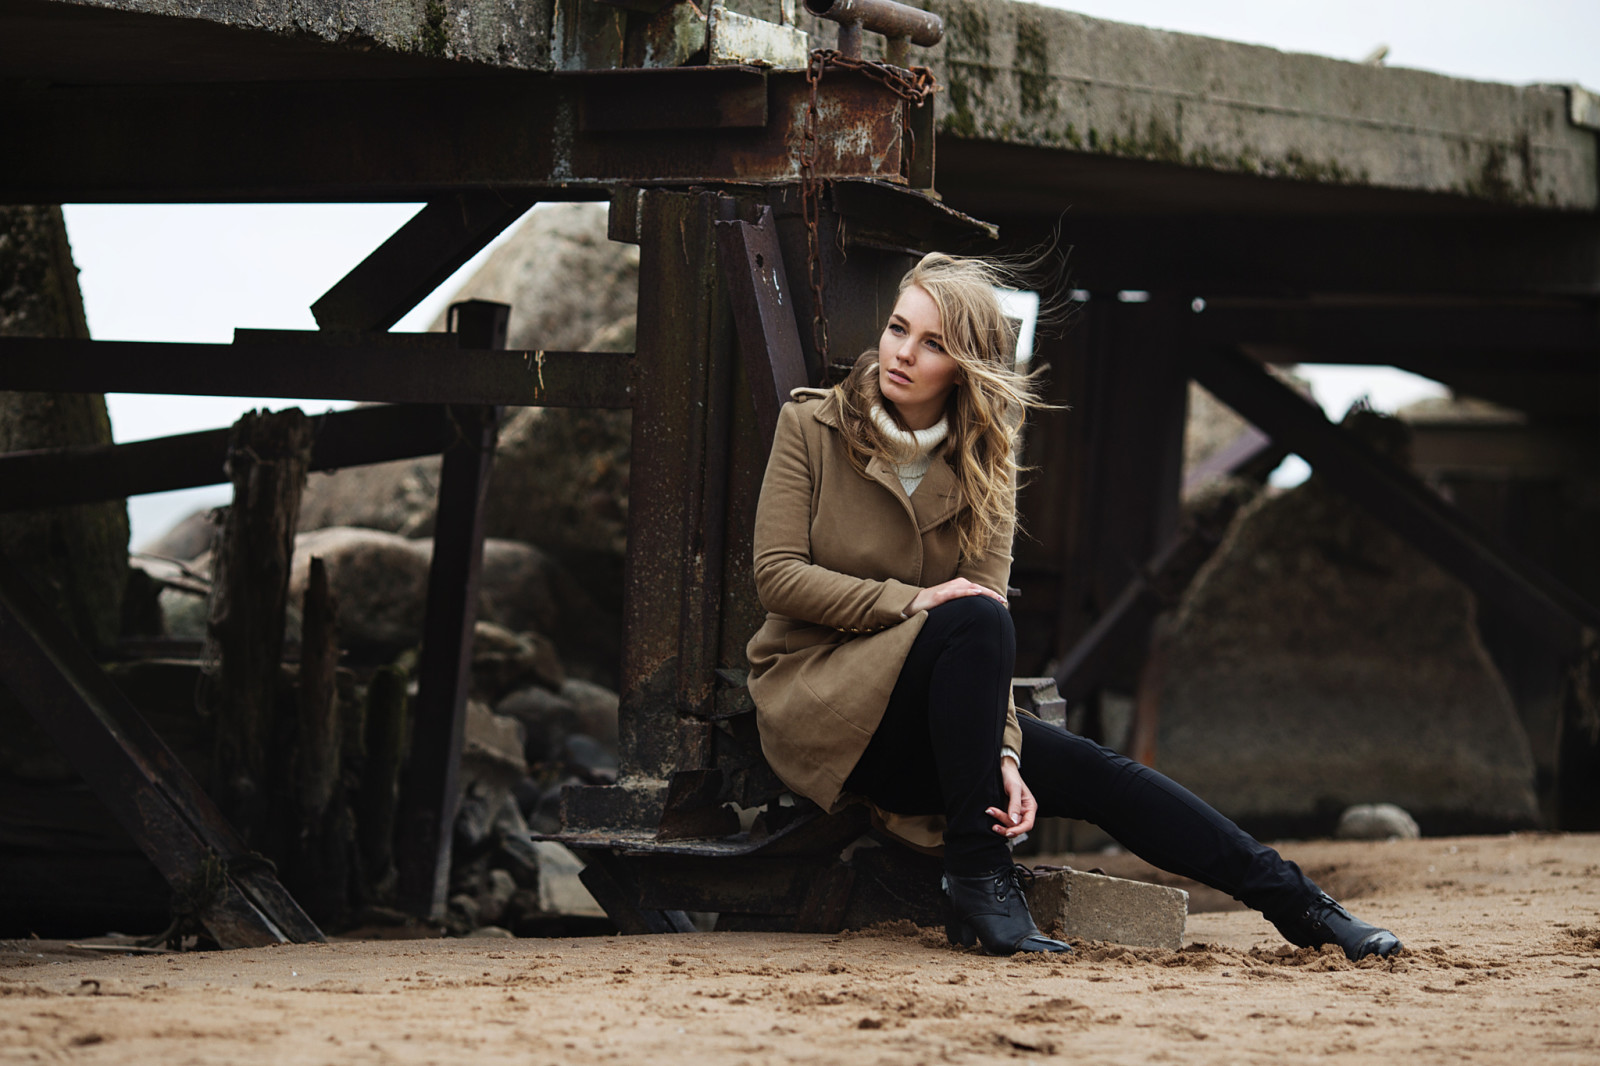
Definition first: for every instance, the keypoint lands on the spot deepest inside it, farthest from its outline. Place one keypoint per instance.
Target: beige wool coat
(838, 557)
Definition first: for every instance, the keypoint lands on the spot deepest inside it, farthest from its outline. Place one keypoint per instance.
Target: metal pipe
(891, 19)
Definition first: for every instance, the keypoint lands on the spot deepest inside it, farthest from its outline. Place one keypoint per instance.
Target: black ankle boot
(990, 909)
(1324, 921)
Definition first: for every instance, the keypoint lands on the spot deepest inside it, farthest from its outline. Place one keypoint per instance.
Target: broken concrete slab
(1072, 903)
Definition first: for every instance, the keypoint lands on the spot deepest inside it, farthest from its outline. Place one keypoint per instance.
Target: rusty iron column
(672, 583)
(429, 795)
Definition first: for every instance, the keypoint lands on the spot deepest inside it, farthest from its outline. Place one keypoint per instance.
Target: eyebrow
(896, 316)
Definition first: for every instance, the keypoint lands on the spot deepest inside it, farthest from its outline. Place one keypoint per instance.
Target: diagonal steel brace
(234, 892)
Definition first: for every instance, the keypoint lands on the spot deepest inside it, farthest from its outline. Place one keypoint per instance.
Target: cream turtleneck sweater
(913, 449)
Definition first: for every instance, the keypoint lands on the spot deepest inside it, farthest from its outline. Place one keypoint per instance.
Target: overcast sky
(194, 272)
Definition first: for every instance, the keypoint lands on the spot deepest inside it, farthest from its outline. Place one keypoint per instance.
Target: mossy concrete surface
(510, 33)
(1021, 74)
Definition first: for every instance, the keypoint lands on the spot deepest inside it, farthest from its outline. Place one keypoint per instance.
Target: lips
(898, 378)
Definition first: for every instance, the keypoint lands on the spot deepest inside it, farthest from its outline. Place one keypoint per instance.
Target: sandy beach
(1502, 965)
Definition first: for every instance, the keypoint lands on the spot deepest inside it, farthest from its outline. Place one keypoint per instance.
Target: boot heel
(989, 909)
(960, 933)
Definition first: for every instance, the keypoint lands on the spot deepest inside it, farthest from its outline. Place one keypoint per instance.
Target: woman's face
(915, 373)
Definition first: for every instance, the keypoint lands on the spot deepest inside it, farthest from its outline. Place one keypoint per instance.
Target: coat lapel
(936, 499)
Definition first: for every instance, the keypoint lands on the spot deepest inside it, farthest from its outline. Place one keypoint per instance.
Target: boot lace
(1007, 879)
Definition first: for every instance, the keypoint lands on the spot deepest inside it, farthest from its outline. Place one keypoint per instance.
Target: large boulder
(77, 556)
(380, 581)
(563, 277)
(1318, 661)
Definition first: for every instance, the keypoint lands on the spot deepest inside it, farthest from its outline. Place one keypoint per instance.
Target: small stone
(548, 874)
(465, 909)
(597, 709)
(474, 820)
(589, 755)
(498, 889)
(491, 932)
(1377, 821)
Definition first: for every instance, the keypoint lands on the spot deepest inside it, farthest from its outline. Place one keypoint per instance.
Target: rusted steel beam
(1493, 255)
(1136, 411)
(611, 882)
(432, 787)
(636, 99)
(417, 259)
(340, 368)
(1494, 571)
(427, 138)
(763, 315)
(1376, 333)
(56, 477)
(212, 872)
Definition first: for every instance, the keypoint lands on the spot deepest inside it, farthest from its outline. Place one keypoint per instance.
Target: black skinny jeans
(937, 751)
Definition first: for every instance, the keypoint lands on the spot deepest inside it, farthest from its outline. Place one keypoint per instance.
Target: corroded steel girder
(570, 135)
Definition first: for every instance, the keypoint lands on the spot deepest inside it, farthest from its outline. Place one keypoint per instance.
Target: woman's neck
(918, 417)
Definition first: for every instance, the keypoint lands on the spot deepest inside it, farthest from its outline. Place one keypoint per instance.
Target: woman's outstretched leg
(1168, 826)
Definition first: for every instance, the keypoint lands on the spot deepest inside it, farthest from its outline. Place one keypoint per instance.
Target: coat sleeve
(787, 581)
(993, 570)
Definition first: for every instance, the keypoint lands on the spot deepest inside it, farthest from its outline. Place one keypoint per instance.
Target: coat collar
(936, 498)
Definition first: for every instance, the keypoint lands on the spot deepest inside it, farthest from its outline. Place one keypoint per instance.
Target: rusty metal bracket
(763, 315)
(214, 876)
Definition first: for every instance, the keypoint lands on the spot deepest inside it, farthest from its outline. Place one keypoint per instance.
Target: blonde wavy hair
(985, 409)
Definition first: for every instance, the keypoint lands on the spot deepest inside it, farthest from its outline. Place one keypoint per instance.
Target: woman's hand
(1021, 807)
(953, 589)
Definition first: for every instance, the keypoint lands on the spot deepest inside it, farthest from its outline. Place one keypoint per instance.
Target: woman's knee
(973, 615)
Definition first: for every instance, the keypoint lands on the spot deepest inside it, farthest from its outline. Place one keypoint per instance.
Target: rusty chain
(916, 86)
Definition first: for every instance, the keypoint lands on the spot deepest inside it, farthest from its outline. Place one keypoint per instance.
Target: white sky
(194, 272)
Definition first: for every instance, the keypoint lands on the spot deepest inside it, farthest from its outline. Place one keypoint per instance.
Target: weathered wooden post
(267, 458)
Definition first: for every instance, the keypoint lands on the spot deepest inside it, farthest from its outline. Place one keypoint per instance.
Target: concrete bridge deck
(1045, 99)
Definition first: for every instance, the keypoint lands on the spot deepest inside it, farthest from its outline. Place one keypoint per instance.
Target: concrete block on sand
(1097, 907)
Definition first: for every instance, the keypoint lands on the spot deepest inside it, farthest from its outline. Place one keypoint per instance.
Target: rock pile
(537, 717)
